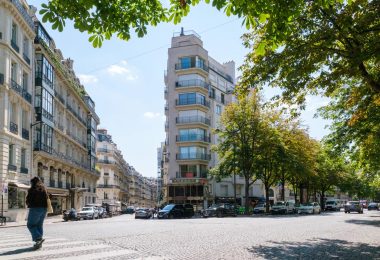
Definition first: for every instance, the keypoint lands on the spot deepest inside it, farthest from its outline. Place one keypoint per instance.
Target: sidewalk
(48, 220)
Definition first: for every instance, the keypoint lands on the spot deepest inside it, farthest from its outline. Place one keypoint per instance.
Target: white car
(309, 208)
(283, 207)
(88, 213)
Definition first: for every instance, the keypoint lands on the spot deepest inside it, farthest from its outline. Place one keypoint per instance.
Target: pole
(2, 204)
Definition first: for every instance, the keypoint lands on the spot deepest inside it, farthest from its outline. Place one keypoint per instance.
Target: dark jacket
(36, 198)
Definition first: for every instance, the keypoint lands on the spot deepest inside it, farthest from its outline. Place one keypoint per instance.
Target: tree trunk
(283, 188)
(266, 198)
(246, 194)
(295, 195)
(301, 194)
(322, 200)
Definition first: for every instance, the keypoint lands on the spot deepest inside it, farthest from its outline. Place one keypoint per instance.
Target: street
(329, 235)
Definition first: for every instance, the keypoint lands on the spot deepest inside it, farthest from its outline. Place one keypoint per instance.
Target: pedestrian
(37, 201)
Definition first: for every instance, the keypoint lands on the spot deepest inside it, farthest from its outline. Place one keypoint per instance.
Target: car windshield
(280, 203)
(260, 205)
(168, 207)
(330, 202)
(86, 208)
(142, 209)
(307, 204)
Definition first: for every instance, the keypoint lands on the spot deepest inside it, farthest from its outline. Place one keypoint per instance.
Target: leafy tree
(332, 50)
(239, 136)
(102, 19)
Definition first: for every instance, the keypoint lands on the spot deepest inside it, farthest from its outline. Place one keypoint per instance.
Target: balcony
(192, 83)
(16, 87)
(193, 138)
(24, 13)
(194, 101)
(190, 65)
(192, 120)
(106, 161)
(14, 45)
(27, 96)
(12, 167)
(26, 58)
(13, 128)
(42, 112)
(108, 186)
(193, 156)
(25, 134)
(24, 170)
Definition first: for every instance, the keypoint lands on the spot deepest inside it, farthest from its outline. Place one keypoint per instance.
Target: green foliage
(276, 19)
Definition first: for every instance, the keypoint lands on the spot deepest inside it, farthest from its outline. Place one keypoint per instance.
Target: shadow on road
(316, 249)
(18, 251)
(375, 223)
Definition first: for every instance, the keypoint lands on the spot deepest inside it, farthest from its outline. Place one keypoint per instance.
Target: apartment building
(16, 107)
(64, 128)
(197, 90)
(113, 184)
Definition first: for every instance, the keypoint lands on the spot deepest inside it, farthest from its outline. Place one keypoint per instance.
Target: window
(25, 46)
(192, 152)
(44, 72)
(23, 158)
(16, 198)
(218, 110)
(188, 171)
(191, 98)
(25, 81)
(14, 72)
(222, 98)
(186, 62)
(25, 119)
(192, 134)
(14, 33)
(11, 151)
(224, 190)
(105, 195)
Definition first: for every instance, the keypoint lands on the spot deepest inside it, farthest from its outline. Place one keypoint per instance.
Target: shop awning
(59, 194)
(19, 185)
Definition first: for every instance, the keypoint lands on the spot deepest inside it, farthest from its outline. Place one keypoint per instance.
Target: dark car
(220, 210)
(355, 206)
(171, 211)
(188, 211)
(374, 206)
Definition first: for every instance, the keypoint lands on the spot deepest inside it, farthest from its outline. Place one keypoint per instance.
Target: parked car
(70, 214)
(334, 205)
(260, 208)
(88, 213)
(188, 210)
(129, 210)
(283, 207)
(374, 206)
(309, 208)
(171, 211)
(220, 210)
(143, 213)
(355, 206)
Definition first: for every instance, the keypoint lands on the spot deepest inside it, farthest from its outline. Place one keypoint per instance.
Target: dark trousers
(36, 221)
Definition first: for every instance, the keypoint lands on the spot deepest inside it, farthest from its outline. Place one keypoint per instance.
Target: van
(283, 207)
(334, 205)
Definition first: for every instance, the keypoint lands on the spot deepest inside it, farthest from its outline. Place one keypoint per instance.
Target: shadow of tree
(316, 249)
(375, 223)
(18, 251)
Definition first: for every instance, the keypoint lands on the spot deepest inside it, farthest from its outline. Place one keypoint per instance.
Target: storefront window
(16, 198)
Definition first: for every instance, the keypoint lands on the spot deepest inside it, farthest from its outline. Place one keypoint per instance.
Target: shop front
(13, 202)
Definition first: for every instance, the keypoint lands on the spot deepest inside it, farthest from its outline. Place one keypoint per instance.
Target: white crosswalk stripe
(17, 246)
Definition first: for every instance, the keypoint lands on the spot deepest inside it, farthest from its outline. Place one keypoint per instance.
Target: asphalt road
(330, 235)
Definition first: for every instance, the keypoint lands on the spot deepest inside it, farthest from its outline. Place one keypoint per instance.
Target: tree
(102, 19)
(329, 171)
(332, 50)
(239, 135)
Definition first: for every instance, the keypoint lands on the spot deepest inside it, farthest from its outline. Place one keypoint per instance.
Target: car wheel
(170, 216)
(219, 214)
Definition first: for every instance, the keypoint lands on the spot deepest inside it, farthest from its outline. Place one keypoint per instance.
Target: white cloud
(87, 79)
(151, 115)
(115, 70)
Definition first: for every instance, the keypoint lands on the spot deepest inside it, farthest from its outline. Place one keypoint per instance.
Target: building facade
(113, 184)
(197, 90)
(16, 106)
(64, 128)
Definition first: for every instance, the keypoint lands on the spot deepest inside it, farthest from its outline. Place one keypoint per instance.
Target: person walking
(37, 203)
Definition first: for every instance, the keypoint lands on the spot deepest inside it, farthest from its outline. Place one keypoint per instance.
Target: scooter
(70, 215)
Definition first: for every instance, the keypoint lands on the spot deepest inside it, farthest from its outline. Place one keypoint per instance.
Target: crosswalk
(18, 246)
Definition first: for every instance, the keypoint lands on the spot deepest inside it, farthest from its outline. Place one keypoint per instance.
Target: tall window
(14, 71)
(192, 134)
(218, 109)
(11, 154)
(222, 98)
(23, 158)
(14, 33)
(186, 62)
(47, 102)
(25, 81)
(25, 46)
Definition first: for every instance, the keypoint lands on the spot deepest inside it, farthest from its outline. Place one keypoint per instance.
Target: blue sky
(126, 79)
